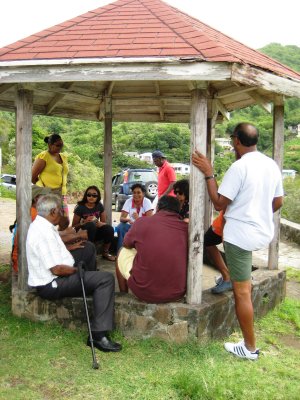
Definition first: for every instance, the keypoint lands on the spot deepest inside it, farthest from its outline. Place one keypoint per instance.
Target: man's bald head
(247, 134)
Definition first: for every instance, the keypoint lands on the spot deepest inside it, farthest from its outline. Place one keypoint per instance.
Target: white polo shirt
(44, 250)
(251, 183)
(130, 208)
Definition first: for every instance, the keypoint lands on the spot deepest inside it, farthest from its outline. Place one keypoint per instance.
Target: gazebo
(139, 60)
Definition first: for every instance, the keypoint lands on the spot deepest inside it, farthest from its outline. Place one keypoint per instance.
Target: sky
(255, 23)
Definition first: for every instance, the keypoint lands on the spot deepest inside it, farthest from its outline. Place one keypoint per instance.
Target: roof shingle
(137, 28)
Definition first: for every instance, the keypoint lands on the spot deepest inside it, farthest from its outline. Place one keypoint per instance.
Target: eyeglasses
(178, 192)
(91, 195)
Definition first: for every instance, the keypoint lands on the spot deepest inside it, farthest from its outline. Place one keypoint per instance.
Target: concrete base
(214, 318)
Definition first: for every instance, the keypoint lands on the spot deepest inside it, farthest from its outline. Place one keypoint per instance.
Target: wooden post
(24, 107)
(209, 151)
(278, 142)
(108, 158)
(197, 198)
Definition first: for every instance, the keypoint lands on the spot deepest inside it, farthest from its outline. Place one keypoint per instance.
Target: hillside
(84, 140)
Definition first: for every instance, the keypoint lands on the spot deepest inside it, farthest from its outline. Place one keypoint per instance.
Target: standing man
(153, 259)
(53, 274)
(166, 174)
(250, 192)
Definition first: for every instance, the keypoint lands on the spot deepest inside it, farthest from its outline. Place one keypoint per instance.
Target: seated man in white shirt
(53, 274)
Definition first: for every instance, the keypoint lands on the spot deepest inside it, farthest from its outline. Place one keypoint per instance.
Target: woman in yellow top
(50, 169)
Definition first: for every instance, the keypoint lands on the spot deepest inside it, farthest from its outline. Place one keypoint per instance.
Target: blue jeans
(122, 229)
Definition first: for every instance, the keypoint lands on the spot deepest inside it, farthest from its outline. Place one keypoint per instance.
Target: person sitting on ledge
(53, 273)
(89, 214)
(76, 242)
(153, 259)
(135, 207)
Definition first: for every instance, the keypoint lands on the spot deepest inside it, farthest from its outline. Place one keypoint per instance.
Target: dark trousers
(87, 254)
(95, 234)
(101, 285)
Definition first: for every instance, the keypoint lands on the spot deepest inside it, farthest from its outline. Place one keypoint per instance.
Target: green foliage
(293, 274)
(7, 193)
(84, 140)
(291, 204)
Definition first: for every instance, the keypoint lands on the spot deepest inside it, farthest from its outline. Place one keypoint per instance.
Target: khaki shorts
(125, 261)
(239, 262)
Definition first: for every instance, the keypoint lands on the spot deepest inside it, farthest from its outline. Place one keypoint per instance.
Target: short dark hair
(182, 186)
(138, 185)
(247, 134)
(168, 203)
(52, 138)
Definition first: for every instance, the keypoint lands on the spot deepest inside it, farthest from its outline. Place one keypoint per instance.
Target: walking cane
(80, 268)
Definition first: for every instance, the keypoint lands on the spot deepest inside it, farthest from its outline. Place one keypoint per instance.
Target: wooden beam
(108, 158)
(110, 87)
(24, 106)
(5, 87)
(270, 82)
(75, 72)
(278, 147)
(261, 101)
(228, 92)
(162, 110)
(197, 198)
(57, 98)
(210, 155)
(157, 88)
(222, 109)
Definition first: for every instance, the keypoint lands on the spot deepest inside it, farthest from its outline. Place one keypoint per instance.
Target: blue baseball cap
(158, 154)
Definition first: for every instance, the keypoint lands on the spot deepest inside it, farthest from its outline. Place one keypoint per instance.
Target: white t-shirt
(130, 208)
(251, 183)
(45, 250)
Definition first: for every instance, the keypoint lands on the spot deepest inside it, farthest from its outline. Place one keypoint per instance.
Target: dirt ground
(289, 255)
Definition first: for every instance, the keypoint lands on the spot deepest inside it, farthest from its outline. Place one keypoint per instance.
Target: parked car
(8, 181)
(122, 182)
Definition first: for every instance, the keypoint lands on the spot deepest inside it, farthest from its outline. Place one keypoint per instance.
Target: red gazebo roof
(138, 28)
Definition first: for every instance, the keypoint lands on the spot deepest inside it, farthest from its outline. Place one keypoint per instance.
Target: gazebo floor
(178, 321)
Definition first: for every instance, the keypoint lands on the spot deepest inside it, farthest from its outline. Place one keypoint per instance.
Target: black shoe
(104, 344)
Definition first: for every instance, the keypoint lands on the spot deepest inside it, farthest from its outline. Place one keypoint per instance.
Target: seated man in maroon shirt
(153, 261)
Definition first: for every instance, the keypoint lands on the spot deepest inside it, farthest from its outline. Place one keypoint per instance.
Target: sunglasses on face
(178, 192)
(92, 195)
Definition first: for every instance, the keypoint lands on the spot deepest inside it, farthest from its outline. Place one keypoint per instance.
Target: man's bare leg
(215, 255)
(244, 312)
(121, 280)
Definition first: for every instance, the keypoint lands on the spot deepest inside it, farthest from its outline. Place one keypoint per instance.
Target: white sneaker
(240, 350)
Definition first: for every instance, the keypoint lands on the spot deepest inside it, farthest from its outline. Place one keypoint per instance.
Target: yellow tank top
(54, 175)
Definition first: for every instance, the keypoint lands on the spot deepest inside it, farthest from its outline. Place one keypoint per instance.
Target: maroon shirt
(159, 268)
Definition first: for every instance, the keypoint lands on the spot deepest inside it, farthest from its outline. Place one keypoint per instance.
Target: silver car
(8, 181)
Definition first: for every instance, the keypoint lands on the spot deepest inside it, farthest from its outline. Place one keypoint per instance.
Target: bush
(291, 205)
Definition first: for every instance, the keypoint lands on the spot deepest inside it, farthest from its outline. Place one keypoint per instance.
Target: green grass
(46, 361)
(293, 274)
(7, 193)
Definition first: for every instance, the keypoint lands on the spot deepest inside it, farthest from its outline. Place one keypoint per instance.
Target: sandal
(108, 256)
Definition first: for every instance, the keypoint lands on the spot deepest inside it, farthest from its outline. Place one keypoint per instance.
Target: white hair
(47, 203)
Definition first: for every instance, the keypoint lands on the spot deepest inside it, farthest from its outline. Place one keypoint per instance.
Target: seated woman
(135, 207)
(89, 214)
(181, 190)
